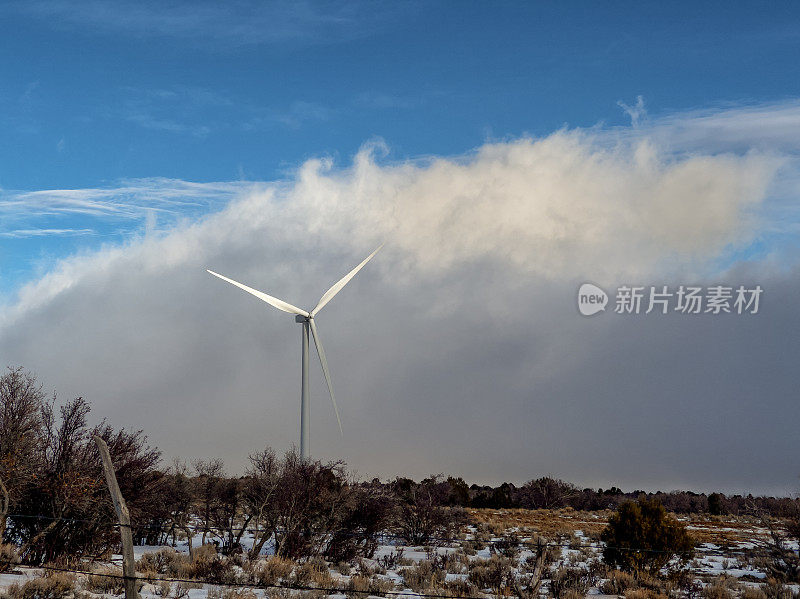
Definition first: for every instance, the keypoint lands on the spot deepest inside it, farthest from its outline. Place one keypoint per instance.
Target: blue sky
(530, 145)
(97, 93)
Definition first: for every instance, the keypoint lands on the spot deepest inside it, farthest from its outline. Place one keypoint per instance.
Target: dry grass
(547, 523)
(368, 584)
(8, 557)
(105, 580)
(640, 593)
(55, 585)
(564, 523)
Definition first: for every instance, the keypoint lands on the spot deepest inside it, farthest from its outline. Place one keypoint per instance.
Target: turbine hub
(301, 318)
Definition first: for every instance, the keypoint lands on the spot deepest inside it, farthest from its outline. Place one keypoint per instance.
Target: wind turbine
(307, 320)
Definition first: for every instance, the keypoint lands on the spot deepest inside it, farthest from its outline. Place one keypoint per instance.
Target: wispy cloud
(772, 127)
(240, 23)
(637, 112)
(199, 111)
(118, 211)
(23, 233)
(148, 121)
(381, 101)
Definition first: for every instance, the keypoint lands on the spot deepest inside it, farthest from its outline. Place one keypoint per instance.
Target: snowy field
(494, 556)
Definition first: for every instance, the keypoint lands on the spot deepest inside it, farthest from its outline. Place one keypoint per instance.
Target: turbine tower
(306, 319)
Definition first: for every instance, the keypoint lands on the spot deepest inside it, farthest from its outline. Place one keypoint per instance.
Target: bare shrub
(165, 562)
(569, 579)
(424, 516)
(423, 576)
(391, 560)
(163, 588)
(360, 585)
(775, 589)
(8, 557)
(105, 580)
(618, 583)
(238, 594)
(344, 568)
(495, 573)
(54, 585)
(781, 561)
(209, 566)
(274, 570)
(753, 593)
(461, 588)
(313, 572)
(640, 593)
(723, 587)
(546, 493)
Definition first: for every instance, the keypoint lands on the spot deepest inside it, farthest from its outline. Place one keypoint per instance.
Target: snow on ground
(712, 559)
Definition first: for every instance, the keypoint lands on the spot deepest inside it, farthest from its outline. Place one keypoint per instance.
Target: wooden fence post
(128, 563)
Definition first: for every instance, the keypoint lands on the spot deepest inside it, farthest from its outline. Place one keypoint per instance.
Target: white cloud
(464, 322)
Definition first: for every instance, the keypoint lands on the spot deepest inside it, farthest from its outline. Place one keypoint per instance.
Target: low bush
(565, 579)
(313, 573)
(618, 582)
(753, 593)
(238, 594)
(461, 588)
(775, 589)
(642, 537)
(8, 557)
(55, 585)
(166, 562)
(273, 571)
(640, 593)
(360, 585)
(495, 573)
(723, 587)
(105, 580)
(423, 576)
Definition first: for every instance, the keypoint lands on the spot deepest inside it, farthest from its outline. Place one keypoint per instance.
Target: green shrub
(642, 537)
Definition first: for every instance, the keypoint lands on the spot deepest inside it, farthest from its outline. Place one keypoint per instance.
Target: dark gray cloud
(459, 349)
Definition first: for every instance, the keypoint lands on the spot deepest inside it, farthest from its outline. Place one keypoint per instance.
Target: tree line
(54, 502)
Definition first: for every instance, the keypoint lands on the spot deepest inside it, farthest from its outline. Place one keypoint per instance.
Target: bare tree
(209, 474)
(547, 493)
(260, 487)
(781, 559)
(21, 404)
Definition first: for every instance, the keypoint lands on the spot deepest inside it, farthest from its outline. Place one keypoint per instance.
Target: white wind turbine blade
(324, 362)
(342, 282)
(272, 301)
